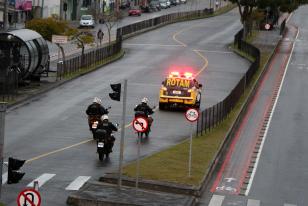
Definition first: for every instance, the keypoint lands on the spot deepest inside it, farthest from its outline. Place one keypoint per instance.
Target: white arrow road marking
(217, 200)
(77, 183)
(41, 179)
(253, 202)
(4, 178)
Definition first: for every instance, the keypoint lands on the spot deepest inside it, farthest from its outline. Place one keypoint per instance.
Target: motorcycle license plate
(176, 92)
(100, 144)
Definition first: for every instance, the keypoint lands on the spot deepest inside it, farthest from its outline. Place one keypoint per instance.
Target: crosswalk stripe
(77, 183)
(4, 178)
(288, 204)
(216, 200)
(41, 179)
(253, 202)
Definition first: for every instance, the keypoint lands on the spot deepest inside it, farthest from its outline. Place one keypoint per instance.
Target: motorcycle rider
(95, 111)
(109, 127)
(144, 107)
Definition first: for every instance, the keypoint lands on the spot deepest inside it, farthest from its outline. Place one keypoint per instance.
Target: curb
(102, 194)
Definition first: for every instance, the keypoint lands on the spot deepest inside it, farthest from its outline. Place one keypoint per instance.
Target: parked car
(155, 3)
(174, 2)
(87, 21)
(134, 11)
(168, 3)
(183, 1)
(163, 4)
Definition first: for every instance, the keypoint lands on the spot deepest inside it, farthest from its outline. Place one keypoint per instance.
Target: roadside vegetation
(171, 165)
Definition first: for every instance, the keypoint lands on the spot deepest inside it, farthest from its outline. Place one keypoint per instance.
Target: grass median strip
(171, 165)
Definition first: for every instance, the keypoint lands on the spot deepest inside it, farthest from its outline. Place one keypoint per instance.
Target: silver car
(87, 21)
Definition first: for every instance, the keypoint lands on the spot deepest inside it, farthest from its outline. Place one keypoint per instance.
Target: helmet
(104, 117)
(97, 100)
(144, 100)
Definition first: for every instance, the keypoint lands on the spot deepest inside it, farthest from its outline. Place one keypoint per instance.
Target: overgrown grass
(171, 165)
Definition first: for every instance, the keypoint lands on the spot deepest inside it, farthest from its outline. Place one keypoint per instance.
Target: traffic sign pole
(190, 149)
(140, 124)
(122, 134)
(191, 115)
(2, 120)
(138, 162)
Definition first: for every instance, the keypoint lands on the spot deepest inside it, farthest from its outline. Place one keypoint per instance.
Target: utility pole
(5, 15)
(42, 9)
(2, 119)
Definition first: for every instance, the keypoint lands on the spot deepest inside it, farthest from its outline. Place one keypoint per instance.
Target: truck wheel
(162, 106)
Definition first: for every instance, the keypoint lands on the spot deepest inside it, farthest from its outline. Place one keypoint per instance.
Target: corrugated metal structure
(27, 50)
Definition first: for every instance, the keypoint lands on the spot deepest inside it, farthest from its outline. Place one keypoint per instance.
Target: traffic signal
(13, 174)
(64, 6)
(116, 95)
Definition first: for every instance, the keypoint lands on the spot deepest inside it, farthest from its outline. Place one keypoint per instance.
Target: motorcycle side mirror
(200, 85)
(117, 125)
(162, 82)
(109, 107)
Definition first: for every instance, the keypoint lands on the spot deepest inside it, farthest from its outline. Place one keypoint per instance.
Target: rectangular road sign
(59, 39)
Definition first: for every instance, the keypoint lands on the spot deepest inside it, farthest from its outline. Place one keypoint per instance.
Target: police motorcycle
(95, 120)
(104, 143)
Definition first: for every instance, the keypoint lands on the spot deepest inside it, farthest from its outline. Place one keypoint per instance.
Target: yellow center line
(194, 50)
(206, 62)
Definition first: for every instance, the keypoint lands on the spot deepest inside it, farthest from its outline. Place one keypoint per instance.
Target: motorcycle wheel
(101, 156)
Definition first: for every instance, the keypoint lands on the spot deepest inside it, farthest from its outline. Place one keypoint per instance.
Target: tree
(110, 21)
(54, 26)
(247, 7)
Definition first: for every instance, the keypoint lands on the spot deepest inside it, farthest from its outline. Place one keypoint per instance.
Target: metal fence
(212, 116)
(161, 20)
(88, 60)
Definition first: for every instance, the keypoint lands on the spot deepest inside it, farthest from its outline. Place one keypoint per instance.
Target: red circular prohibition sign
(24, 199)
(140, 124)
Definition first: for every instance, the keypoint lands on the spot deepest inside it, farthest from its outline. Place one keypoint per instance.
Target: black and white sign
(140, 124)
(192, 115)
(29, 197)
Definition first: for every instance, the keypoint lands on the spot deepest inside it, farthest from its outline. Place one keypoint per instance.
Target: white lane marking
(163, 45)
(216, 200)
(41, 179)
(77, 183)
(251, 202)
(214, 51)
(288, 204)
(269, 121)
(4, 178)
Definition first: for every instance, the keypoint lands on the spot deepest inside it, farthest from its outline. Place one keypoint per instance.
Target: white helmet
(104, 117)
(97, 100)
(144, 100)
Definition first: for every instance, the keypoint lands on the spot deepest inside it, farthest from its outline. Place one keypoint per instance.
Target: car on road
(87, 21)
(155, 5)
(163, 4)
(183, 1)
(134, 11)
(180, 90)
(174, 2)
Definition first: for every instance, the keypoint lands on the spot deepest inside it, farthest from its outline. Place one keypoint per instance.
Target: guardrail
(87, 61)
(212, 116)
(127, 30)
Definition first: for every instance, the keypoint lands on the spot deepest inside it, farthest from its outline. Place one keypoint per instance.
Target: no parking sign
(29, 197)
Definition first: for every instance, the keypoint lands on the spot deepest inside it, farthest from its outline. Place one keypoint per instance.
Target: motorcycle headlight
(190, 90)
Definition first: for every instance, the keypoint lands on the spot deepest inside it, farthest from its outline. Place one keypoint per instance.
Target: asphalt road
(70, 48)
(279, 174)
(51, 132)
